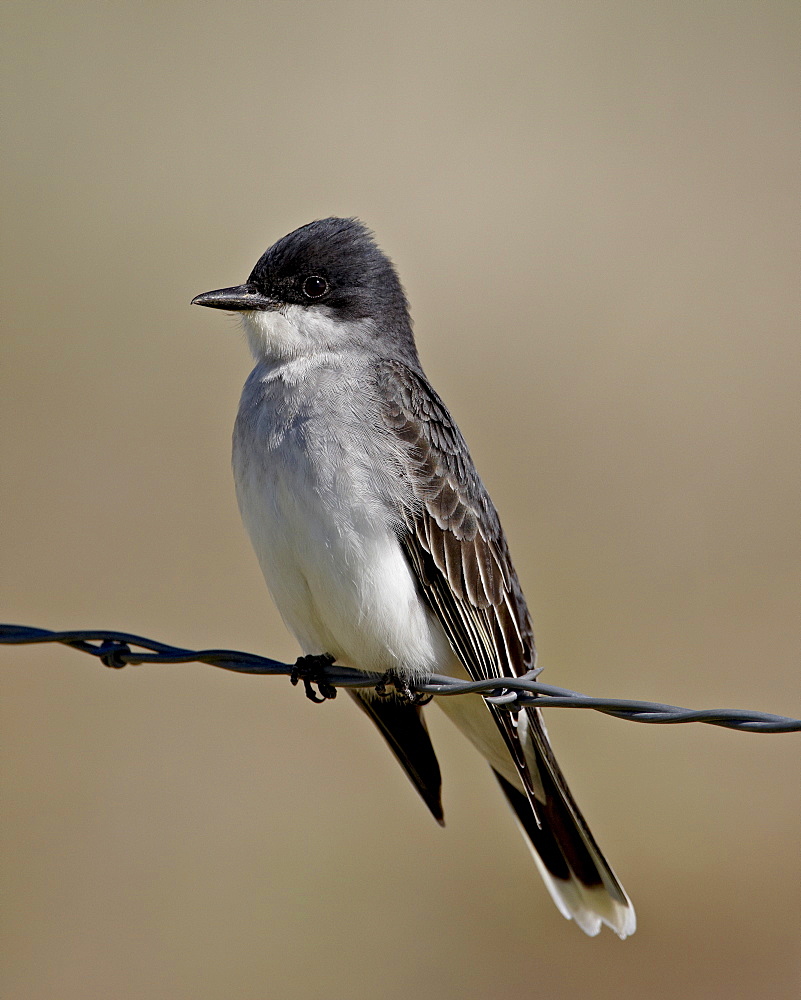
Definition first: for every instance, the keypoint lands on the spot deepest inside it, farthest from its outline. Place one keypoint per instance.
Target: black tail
(403, 727)
(577, 875)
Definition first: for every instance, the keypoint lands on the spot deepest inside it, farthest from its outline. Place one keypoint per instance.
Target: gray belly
(332, 561)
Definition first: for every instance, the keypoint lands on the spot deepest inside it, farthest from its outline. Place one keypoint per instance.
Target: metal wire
(115, 650)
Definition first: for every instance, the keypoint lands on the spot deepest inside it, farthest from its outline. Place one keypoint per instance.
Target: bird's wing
(455, 545)
(453, 538)
(454, 542)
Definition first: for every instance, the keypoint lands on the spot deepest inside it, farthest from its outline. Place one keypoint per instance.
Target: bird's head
(326, 286)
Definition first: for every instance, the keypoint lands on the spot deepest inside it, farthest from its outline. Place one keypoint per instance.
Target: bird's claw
(310, 670)
(403, 690)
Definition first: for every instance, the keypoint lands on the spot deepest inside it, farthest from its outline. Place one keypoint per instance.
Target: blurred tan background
(596, 211)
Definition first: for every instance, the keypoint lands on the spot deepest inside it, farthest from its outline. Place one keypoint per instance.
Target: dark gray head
(329, 270)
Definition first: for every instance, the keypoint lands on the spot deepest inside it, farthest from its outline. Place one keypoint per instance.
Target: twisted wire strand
(117, 649)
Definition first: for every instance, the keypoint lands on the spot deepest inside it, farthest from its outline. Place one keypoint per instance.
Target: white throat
(280, 335)
(295, 331)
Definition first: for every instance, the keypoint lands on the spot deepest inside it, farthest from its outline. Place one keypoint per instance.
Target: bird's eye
(314, 287)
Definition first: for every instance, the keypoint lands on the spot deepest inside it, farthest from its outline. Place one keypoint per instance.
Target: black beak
(240, 298)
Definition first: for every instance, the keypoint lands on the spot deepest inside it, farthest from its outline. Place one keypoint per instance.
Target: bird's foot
(310, 670)
(402, 692)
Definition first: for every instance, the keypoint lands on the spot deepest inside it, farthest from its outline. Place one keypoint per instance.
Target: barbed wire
(118, 649)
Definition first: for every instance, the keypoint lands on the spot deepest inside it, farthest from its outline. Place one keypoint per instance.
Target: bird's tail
(577, 875)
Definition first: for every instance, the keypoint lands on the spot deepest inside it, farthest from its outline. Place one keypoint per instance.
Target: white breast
(323, 538)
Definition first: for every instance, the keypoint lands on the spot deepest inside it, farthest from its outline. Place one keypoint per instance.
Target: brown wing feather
(451, 522)
(456, 547)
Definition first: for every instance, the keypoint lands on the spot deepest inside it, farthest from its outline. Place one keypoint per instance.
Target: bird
(378, 541)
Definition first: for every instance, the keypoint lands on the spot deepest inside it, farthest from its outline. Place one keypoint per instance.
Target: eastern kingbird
(377, 539)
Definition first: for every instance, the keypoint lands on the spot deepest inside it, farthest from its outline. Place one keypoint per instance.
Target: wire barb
(114, 654)
(117, 649)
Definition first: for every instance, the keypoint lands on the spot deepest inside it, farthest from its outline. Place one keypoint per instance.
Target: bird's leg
(403, 691)
(310, 670)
